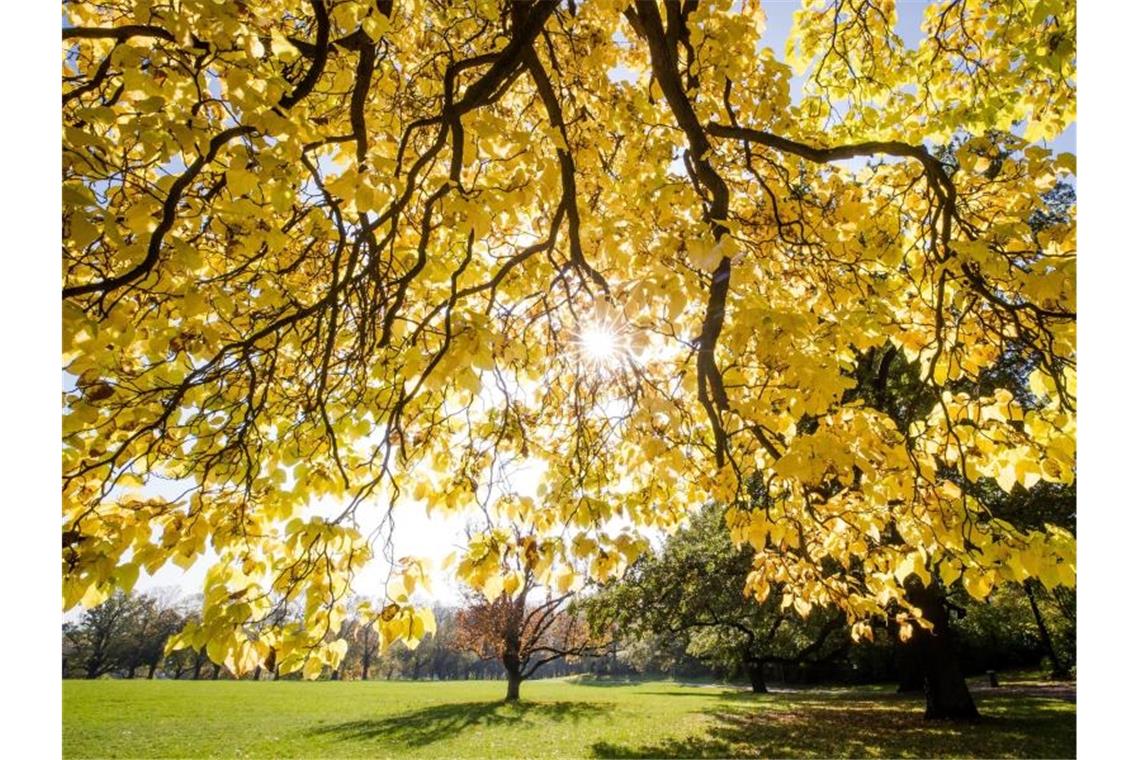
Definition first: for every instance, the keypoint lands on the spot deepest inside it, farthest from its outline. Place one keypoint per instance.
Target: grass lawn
(557, 718)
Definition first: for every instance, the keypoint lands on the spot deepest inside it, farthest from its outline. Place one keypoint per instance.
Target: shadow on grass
(708, 688)
(431, 724)
(773, 725)
(587, 680)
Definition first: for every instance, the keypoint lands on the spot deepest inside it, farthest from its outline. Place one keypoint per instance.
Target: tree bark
(513, 666)
(908, 660)
(513, 683)
(947, 696)
(755, 671)
(150, 671)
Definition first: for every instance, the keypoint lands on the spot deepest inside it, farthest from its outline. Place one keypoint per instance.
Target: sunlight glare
(599, 343)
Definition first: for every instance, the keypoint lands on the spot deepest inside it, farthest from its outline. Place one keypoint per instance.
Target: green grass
(556, 718)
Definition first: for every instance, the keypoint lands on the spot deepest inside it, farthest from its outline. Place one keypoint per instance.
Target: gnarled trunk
(947, 696)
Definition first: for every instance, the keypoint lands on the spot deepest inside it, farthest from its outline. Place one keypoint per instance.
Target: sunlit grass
(556, 718)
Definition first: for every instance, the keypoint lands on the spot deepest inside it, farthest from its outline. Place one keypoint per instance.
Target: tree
(153, 619)
(362, 253)
(98, 641)
(523, 634)
(124, 633)
(691, 591)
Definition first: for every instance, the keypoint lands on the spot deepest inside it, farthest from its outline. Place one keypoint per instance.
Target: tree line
(677, 613)
(126, 637)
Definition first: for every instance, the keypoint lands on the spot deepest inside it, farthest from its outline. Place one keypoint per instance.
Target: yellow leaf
(977, 583)
(312, 669)
(281, 47)
(493, 587)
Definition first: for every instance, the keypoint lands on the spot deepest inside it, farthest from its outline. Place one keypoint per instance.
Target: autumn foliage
(348, 254)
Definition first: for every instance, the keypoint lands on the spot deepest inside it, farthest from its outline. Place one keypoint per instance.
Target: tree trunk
(150, 671)
(217, 672)
(755, 671)
(513, 666)
(947, 696)
(1059, 671)
(908, 660)
(513, 683)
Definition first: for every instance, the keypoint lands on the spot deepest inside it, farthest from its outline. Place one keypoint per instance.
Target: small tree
(522, 634)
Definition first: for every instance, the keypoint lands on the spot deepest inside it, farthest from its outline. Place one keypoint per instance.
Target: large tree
(361, 254)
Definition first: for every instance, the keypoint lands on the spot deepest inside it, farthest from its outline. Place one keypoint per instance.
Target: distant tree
(645, 652)
(153, 618)
(523, 634)
(363, 643)
(690, 592)
(98, 641)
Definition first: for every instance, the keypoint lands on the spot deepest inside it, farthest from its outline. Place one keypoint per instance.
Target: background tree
(524, 633)
(153, 619)
(99, 639)
(124, 633)
(691, 591)
(365, 253)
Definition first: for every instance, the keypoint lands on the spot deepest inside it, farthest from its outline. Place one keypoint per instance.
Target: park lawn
(556, 718)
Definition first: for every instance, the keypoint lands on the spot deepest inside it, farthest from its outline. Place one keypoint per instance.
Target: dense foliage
(690, 592)
(325, 261)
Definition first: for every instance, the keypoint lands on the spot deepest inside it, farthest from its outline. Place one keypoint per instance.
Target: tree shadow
(711, 693)
(431, 724)
(605, 681)
(845, 727)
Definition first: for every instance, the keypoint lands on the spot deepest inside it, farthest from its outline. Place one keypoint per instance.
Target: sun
(599, 343)
(602, 344)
